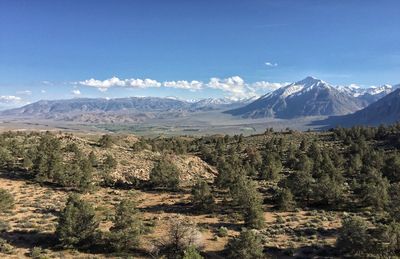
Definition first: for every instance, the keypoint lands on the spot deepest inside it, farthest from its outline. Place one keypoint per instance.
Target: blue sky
(191, 49)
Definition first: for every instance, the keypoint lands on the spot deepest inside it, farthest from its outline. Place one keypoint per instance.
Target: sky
(191, 49)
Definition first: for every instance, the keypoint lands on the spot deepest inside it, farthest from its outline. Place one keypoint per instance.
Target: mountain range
(309, 97)
(118, 110)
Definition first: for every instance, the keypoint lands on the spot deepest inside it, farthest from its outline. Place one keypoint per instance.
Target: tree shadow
(29, 239)
(180, 208)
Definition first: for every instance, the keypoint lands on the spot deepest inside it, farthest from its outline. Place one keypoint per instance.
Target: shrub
(191, 253)
(248, 245)
(37, 253)
(6, 200)
(5, 247)
(182, 235)
(4, 226)
(353, 236)
(222, 232)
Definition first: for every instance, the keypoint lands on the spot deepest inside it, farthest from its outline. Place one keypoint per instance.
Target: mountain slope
(384, 111)
(309, 97)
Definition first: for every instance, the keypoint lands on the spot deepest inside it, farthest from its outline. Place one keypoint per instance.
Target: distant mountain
(384, 111)
(99, 105)
(100, 110)
(369, 95)
(308, 97)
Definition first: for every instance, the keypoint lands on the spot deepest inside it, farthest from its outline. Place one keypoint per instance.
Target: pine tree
(391, 169)
(202, 197)
(285, 200)
(272, 167)
(106, 141)
(165, 175)
(394, 203)
(127, 227)
(77, 224)
(353, 236)
(374, 190)
(48, 162)
(245, 195)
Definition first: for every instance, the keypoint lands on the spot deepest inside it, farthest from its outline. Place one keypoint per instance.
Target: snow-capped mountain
(370, 94)
(308, 97)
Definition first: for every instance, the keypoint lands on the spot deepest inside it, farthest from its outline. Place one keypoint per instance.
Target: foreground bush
(127, 227)
(77, 225)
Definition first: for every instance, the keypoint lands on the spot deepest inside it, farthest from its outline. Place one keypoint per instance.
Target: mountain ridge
(384, 111)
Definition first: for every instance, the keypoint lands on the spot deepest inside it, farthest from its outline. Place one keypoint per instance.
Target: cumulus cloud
(271, 64)
(182, 84)
(76, 92)
(234, 87)
(116, 82)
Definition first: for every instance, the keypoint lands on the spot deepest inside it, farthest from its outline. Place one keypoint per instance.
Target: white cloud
(76, 92)
(271, 64)
(182, 84)
(9, 98)
(234, 87)
(11, 101)
(43, 91)
(116, 82)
